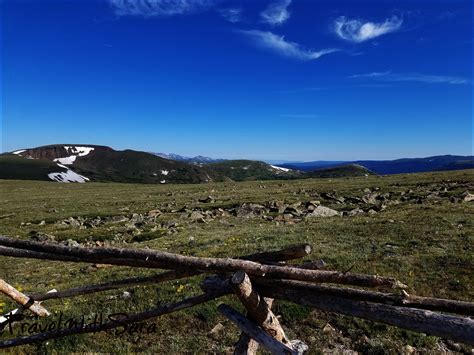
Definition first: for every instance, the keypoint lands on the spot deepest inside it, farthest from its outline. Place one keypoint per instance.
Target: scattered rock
(328, 329)
(408, 349)
(277, 206)
(370, 198)
(71, 243)
(216, 331)
(467, 197)
(42, 237)
(355, 212)
(330, 196)
(154, 213)
(197, 217)
(322, 211)
(208, 199)
(137, 218)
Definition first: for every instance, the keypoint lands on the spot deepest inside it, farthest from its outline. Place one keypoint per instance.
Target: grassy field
(422, 235)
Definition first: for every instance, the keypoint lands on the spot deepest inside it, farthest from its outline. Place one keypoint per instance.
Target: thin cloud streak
(233, 15)
(276, 13)
(277, 44)
(358, 31)
(412, 77)
(150, 8)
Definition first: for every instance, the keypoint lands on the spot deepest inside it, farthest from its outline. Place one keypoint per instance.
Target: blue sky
(289, 80)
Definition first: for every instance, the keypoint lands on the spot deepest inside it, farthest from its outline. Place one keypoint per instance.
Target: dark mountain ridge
(399, 166)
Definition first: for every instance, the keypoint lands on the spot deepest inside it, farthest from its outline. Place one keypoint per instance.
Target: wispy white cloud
(149, 8)
(388, 76)
(281, 46)
(276, 13)
(232, 14)
(358, 31)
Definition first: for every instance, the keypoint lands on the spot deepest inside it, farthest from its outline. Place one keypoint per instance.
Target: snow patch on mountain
(76, 151)
(164, 172)
(68, 160)
(67, 176)
(80, 151)
(280, 168)
(19, 151)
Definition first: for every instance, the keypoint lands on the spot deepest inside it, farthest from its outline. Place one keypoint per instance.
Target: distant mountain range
(83, 163)
(398, 166)
(198, 160)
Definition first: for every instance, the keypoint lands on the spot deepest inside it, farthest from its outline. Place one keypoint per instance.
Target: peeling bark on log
(22, 299)
(254, 331)
(246, 345)
(243, 288)
(166, 260)
(134, 318)
(257, 309)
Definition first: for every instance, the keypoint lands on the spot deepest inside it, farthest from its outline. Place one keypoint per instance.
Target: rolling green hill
(248, 170)
(135, 166)
(80, 163)
(349, 170)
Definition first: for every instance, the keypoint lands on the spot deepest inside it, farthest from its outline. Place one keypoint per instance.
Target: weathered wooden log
(286, 254)
(254, 331)
(30, 254)
(257, 308)
(167, 260)
(246, 345)
(451, 327)
(446, 326)
(153, 279)
(403, 299)
(119, 321)
(133, 281)
(22, 299)
(289, 253)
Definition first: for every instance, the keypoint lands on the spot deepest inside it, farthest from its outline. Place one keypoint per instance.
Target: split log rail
(257, 280)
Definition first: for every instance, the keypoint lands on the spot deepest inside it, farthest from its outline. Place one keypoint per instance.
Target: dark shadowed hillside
(247, 170)
(349, 170)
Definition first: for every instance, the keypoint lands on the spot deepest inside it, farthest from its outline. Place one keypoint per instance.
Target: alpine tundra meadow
(236, 176)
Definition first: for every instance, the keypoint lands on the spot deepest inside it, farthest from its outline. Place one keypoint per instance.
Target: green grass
(427, 246)
(348, 170)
